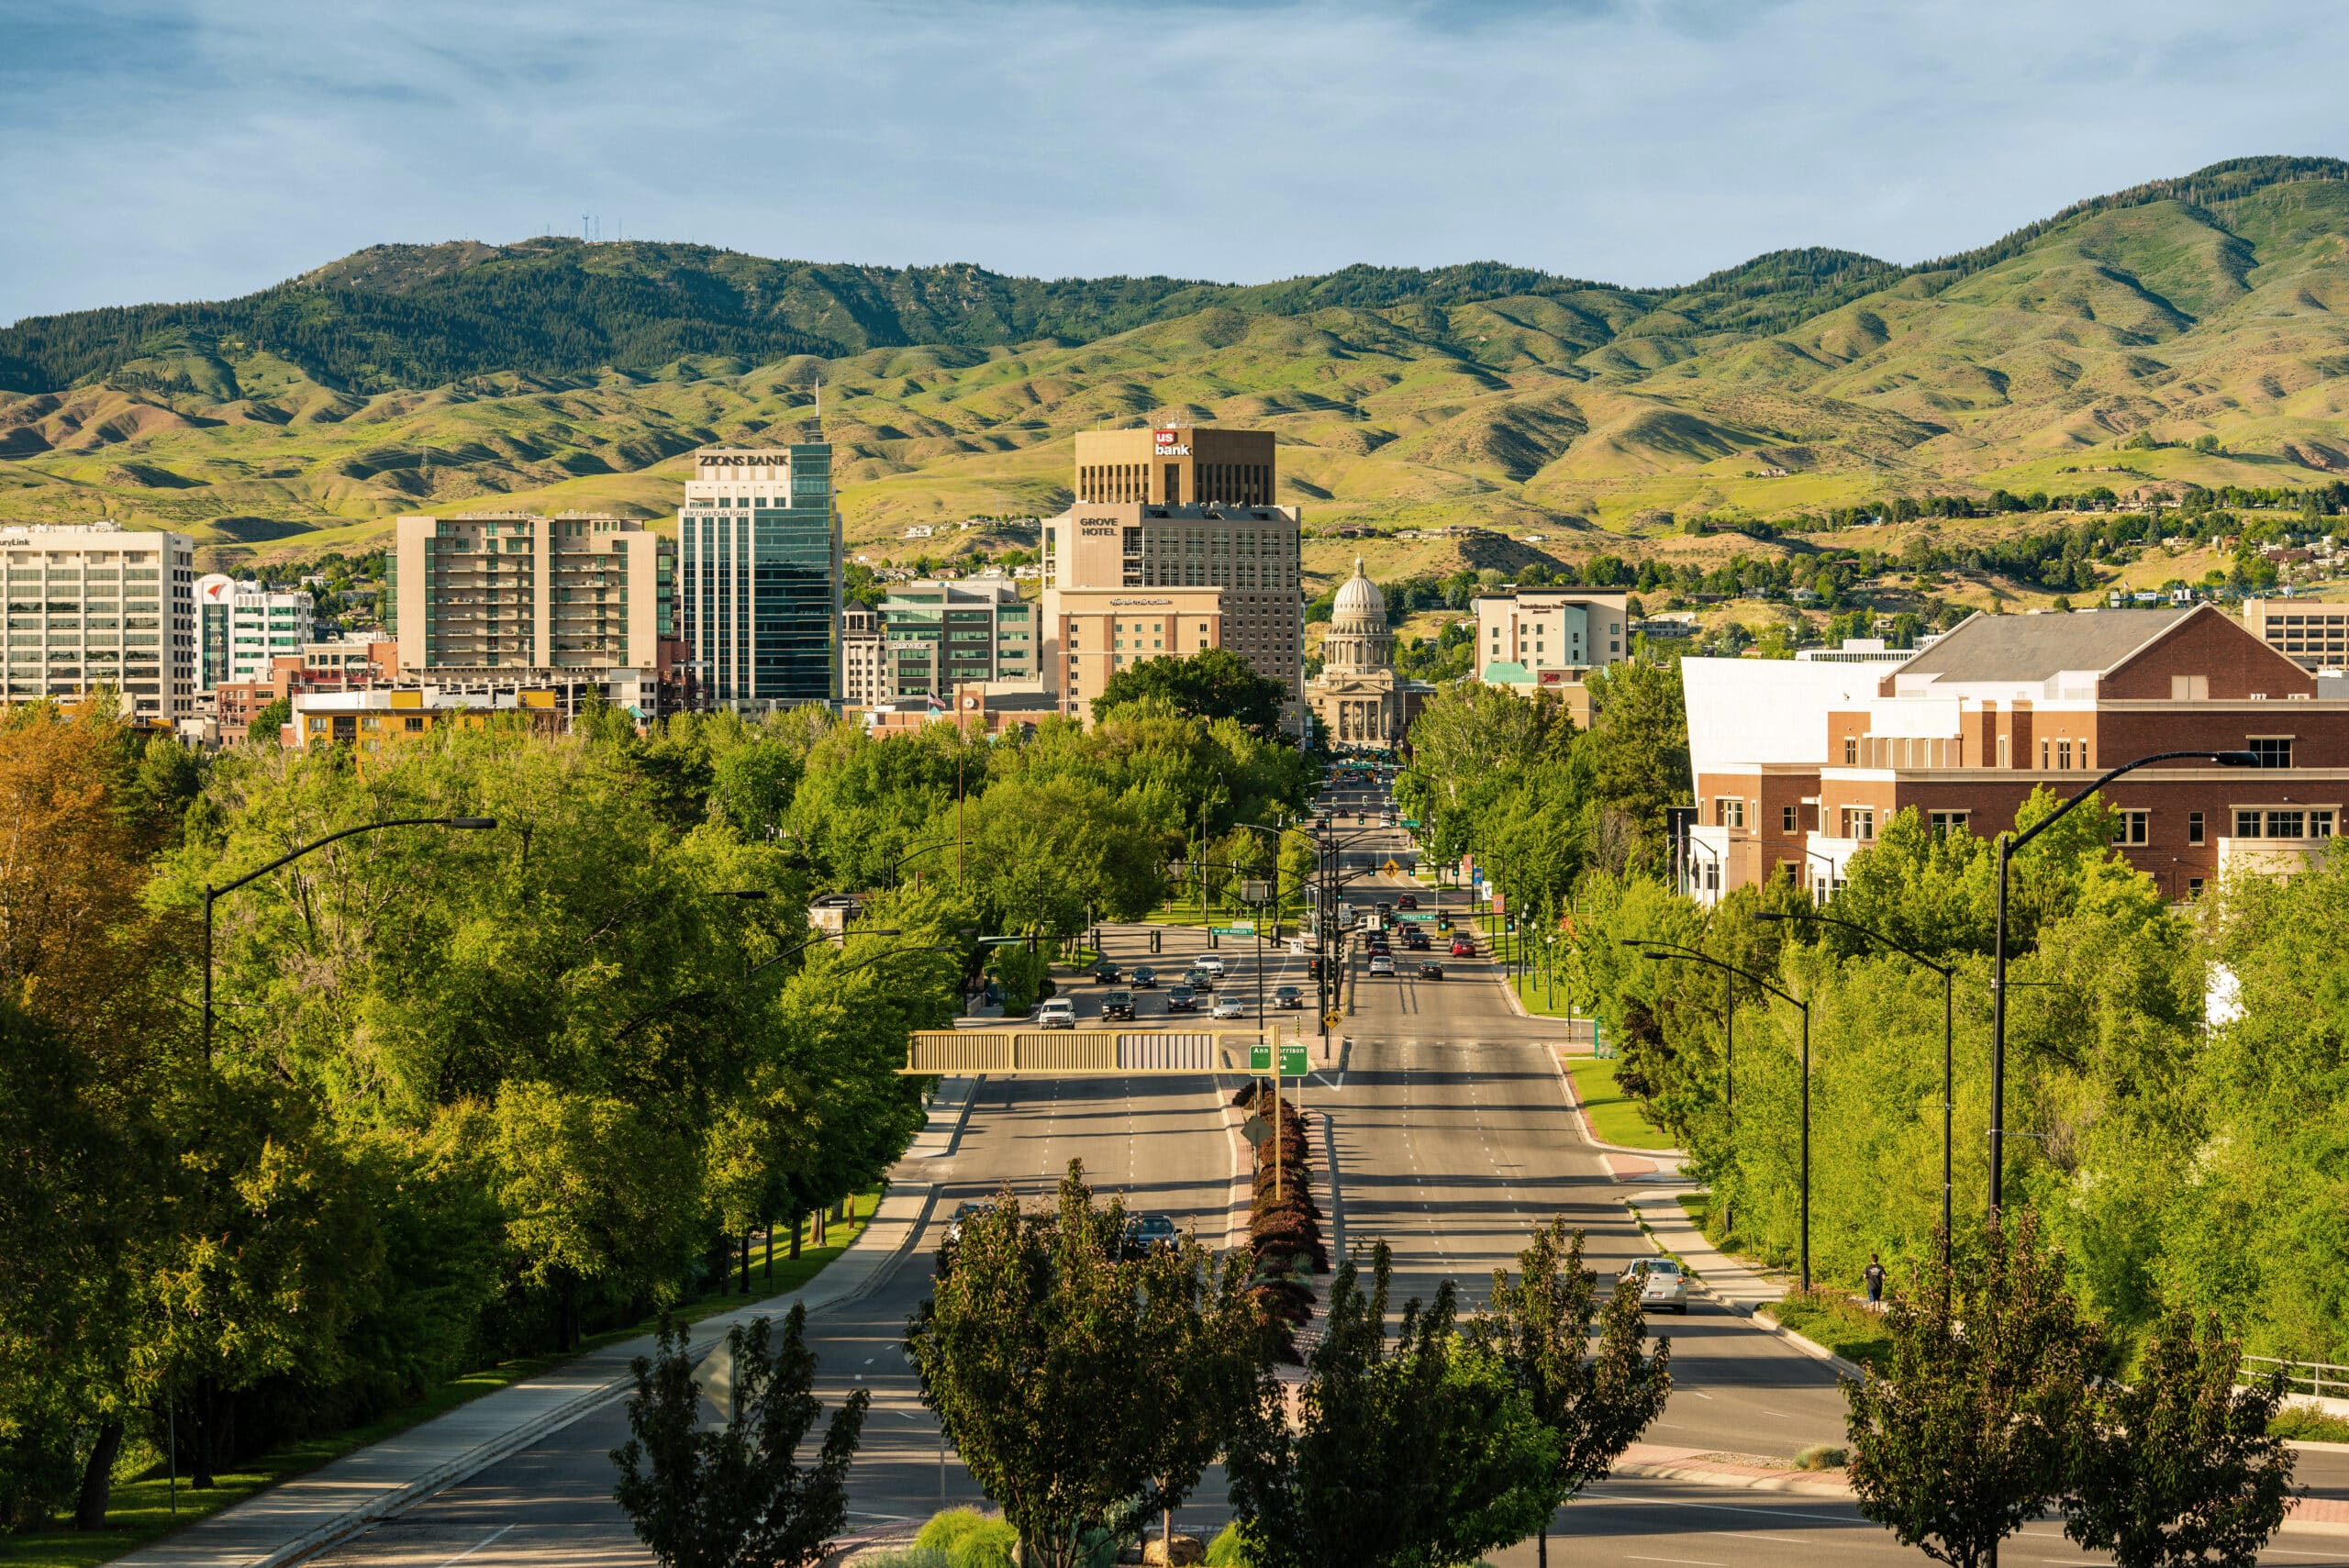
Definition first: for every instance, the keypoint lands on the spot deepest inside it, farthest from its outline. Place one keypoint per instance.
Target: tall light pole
(1689, 955)
(460, 823)
(1947, 972)
(2007, 844)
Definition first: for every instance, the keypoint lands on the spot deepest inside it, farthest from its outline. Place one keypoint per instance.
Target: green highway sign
(1259, 1058)
(1410, 822)
(1237, 929)
(1293, 1063)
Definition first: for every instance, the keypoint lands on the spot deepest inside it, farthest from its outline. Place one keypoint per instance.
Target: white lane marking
(1697, 1562)
(1757, 1535)
(476, 1546)
(1849, 1519)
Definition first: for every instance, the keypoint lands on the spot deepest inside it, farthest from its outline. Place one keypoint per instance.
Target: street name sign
(1292, 1063)
(1260, 1057)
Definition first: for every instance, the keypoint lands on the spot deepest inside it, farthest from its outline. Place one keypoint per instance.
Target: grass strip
(1615, 1117)
(140, 1512)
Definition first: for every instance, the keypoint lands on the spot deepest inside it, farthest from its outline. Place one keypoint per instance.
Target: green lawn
(1843, 1326)
(1615, 1117)
(141, 1509)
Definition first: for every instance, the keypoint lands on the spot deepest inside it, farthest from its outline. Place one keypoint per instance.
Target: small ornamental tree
(735, 1496)
(1593, 1400)
(1406, 1453)
(2177, 1467)
(1967, 1437)
(1084, 1390)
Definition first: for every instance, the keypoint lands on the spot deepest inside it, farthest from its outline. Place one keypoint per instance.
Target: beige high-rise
(491, 590)
(1139, 522)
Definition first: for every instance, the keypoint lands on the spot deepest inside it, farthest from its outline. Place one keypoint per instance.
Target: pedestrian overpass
(1083, 1053)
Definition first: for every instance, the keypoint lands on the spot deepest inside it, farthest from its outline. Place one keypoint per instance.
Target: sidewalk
(1739, 1285)
(300, 1516)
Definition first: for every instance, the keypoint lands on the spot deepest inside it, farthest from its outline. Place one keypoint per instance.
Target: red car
(1463, 948)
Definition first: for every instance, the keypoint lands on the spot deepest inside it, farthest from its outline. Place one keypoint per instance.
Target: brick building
(1799, 765)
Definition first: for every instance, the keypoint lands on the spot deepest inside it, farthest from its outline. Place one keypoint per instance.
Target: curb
(1808, 1347)
(1582, 1116)
(1337, 1199)
(962, 1119)
(1815, 1483)
(508, 1443)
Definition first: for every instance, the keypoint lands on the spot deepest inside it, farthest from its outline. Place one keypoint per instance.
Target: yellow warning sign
(1333, 1017)
(1390, 868)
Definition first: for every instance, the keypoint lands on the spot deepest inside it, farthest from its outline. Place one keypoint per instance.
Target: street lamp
(1947, 972)
(896, 865)
(1692, 956)
(459, 824)
(2009, 843)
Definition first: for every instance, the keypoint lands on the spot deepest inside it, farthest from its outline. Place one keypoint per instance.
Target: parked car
(1289, 996)
(1209, 964)
(1230, 1007)
(1060, 1013)
(1661, 1283)
(1148, 1233)
(1430, 970)
(1182, 999)
(1119, 1004)
(1105, 973)
(1145, 978)
(1382, 964)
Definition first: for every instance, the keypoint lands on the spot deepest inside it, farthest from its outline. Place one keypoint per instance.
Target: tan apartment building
(507, 590)
(1547, 640)
(1180, 465)
(1089, 634)
(2313, 633)
(1799, 766)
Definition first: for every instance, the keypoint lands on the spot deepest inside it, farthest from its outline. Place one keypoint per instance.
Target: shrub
(2304, 1425)
(1228, 1550)
(1821, 1456)
(967, 1538)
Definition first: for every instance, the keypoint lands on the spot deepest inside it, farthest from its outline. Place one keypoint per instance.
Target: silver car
(1661, 1283)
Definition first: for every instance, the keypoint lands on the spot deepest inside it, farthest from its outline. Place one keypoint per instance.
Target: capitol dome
(1358, 606)
(1358, 639)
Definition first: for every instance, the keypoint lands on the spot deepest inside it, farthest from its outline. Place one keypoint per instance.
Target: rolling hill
(554, 374)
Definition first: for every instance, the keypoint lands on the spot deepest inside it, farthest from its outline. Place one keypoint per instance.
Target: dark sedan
(1145, 978)
(1430, 970)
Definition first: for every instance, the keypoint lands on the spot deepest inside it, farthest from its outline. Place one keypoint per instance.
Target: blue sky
(167, 149)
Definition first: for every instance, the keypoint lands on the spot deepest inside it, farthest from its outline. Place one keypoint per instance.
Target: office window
(1851, 751)
(2320, 824)
(2064, 756)
(2273, 750)
(2134, 827)
(1729, 812)
(1790, 819)
(1946, 821)
(1859, 822)
(2285, 825)
(2046, 755)
(2193, 888)
(2193, 826)
(2247, 824)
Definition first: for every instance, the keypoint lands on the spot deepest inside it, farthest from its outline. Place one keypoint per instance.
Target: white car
(1230, 1006)
(1382, 964)
(1209, 964)
(1661, 1283)
(1060, 1013)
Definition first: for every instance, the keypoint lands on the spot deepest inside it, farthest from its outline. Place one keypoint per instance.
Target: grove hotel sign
(1170, 443)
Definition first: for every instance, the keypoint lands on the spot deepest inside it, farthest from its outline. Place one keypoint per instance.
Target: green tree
(2176, 1466)
(1414, 1454)
(735, 1496)
(1084, 1390)
(1634, 762)
(1966, 1439)
(267, 721)
(1594, 1400)
(1215, 683)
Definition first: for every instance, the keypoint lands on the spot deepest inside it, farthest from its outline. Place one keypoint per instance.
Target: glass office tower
(758, 555)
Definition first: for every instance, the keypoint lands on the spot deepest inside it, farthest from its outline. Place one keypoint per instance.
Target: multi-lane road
(1452, 1141)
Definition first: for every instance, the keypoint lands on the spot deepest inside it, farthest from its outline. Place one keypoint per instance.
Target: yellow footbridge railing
(1074, 1053)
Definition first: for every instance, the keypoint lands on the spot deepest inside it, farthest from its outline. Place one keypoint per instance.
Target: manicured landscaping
(1615, 1117)
(1846, 1326)
(141, 1509)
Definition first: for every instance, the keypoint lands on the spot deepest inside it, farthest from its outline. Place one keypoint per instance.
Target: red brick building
(1799, 765)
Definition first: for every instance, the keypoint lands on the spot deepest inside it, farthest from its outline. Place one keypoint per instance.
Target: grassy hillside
(553, 373)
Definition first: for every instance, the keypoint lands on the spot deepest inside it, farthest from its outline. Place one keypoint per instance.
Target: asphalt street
(1453, 1140)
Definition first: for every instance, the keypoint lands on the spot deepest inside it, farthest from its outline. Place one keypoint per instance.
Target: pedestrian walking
(1874, 1274)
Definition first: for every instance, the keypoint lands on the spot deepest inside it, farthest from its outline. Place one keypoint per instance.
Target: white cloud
(181, 150)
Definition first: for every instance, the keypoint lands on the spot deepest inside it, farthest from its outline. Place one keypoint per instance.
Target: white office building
(91, 606)
(240, 626)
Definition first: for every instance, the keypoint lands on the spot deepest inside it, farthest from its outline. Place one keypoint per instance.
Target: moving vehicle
(1145, 978)
(1381, 964)
(1230, 1007)
(1182, 999)
(1289, 996)
(1408, 901)
(1415, 941)
(1060, 1013)
(1119, 1004)
(1105, 973)
(1209, 964)
(1148, 1233)
(1661, 1283)
(1463, 948)
(1200, 980)
(1430, 970)
(962, 1211)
